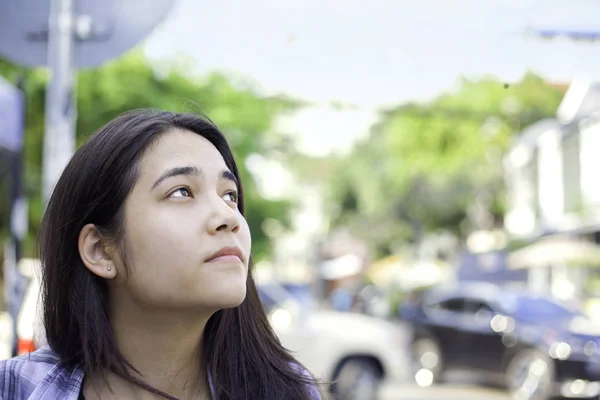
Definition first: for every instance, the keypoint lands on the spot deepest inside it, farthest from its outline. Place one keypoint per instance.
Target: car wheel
(530, 376)
(357, 380)
(427, 363)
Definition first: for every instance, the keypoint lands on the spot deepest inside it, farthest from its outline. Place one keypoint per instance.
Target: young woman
(147, 284)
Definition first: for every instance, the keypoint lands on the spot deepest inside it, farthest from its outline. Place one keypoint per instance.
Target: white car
(30, 330)
(356, 351)
(6, 335)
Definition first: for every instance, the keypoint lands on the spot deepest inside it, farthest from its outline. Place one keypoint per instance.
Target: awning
(555, 251)
(341, 267)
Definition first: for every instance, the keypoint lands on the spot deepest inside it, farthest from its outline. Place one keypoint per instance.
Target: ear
(93, 252)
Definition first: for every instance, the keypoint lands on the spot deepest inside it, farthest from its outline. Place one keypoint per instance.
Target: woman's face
(180, 216)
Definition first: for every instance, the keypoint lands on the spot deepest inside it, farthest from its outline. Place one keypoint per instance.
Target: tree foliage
(131, 82)
(424, 165)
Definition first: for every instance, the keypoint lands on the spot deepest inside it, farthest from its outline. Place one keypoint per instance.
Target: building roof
(581, 100)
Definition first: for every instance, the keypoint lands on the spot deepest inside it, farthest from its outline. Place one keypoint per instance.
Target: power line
(578, 35)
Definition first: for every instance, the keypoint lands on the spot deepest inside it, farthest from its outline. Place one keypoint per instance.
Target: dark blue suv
(539, 347)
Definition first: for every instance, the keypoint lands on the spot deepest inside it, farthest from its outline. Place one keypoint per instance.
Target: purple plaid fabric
(38, 376)
(41, 376)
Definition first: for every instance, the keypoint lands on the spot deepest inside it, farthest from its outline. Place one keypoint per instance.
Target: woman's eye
(231, 196)
(181, 192)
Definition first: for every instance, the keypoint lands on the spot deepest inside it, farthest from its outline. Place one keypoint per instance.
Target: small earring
(109, 268)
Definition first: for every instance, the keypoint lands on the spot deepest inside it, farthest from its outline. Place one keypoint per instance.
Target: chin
(232, 302)
(234, 298)
(228, 297)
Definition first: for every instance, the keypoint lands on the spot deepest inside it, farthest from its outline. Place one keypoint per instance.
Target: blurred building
(552, 186)
(294, 255)
(406, 273)
(489, 266)
(342, 260)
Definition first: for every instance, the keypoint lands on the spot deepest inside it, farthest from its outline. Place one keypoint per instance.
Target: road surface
(441, 392)
(459, 386)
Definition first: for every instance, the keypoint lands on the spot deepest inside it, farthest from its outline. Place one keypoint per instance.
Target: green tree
(245, 117)
(423, 165)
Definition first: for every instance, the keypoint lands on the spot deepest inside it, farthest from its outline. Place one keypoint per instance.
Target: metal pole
(61, 110)
(16, 284)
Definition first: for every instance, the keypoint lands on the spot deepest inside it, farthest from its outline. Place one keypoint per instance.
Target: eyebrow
(192, 171)
(231, 177)
(175, 172)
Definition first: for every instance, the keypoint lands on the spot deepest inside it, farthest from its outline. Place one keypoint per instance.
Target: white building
(551, 175)
(294, 250)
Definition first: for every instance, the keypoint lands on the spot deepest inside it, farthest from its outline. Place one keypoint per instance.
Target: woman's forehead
(180, 148)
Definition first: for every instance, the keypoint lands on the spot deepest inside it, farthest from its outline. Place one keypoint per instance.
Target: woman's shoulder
(314, 392)
(30, 365)
(313, 389)
(22, 376)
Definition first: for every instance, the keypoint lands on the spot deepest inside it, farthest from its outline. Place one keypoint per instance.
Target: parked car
(539, 347)
(357, 352)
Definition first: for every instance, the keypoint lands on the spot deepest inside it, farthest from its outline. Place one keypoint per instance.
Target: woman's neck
(165, 347)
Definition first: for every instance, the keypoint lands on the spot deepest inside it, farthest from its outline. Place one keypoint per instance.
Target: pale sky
(374, 53)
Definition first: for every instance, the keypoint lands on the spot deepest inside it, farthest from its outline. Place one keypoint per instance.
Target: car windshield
(536, 308)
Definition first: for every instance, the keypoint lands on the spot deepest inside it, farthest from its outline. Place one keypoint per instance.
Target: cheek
(245, 236)
(159, 244)
(158, 229)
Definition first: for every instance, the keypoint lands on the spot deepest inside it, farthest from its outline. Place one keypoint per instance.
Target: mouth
(226, 254)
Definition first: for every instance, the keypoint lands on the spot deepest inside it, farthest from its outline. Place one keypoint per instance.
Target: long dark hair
(243, 355)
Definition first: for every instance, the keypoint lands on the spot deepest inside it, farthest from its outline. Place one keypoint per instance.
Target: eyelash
(234, 194)
(181, 189)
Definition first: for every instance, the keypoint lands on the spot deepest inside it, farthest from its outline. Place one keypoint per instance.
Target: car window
(479, 311)
(477, 307)
(452, 305)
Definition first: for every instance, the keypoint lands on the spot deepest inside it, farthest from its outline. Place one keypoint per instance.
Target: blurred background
(421, 177)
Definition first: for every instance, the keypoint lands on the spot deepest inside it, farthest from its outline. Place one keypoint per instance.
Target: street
(446, 392)
(459, 386)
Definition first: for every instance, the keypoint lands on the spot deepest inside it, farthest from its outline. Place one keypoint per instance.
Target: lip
(226, 253)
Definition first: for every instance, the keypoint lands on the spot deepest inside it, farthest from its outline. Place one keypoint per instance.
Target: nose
(223, 218)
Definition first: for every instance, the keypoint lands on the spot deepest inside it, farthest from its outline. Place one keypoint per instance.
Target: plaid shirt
(41, 376)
